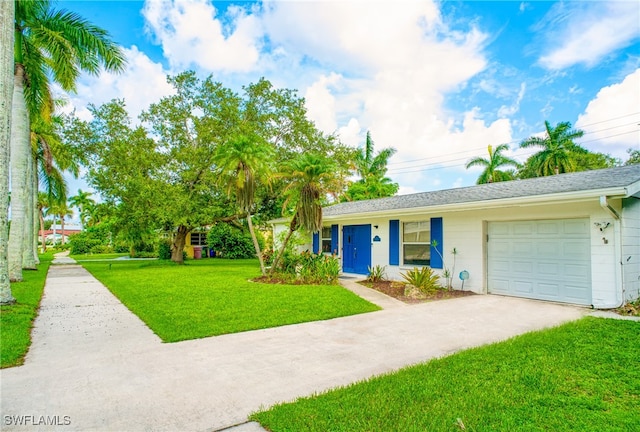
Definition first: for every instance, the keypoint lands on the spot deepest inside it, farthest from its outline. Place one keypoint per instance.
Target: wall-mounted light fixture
(602, 226)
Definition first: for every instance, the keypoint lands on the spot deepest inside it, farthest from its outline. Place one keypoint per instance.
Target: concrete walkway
(93, 365)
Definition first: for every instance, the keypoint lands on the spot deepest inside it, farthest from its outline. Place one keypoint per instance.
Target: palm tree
(492, 165)
(7, 18)
(241, 162)
(558, 149)
(83, 202)
(372, 169)
(48, 43)
(61, 210)
(310, 178)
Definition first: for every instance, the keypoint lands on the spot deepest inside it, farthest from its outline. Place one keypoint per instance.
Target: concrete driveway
(93, 365)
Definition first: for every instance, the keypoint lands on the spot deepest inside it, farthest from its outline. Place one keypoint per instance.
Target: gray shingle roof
(573, 182)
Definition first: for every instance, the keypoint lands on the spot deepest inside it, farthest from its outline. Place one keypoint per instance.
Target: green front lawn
(212, 297)
(91, 257)
(582, 376)
(16, 320)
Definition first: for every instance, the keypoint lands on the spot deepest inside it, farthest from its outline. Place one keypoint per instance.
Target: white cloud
(321, 104)
(506, 111)
(611, 120)
(142, 83)
(586, 32)
(192, 34)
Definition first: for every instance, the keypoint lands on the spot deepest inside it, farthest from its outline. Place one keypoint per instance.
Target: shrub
(83, 242)
(164, 249)
(320, 269)
(422, 278)
(101, 249)
(231, 242)
(377, 273)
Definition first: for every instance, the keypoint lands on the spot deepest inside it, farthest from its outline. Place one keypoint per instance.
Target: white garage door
(545, 259)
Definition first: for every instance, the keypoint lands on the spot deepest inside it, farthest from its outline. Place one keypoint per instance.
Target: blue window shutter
(436, 234)
(316, 242)
(334, 239)
(394, 242)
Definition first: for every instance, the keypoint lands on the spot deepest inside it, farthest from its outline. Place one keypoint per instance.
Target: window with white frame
(198, 239)
(416, 243)
(326, 240)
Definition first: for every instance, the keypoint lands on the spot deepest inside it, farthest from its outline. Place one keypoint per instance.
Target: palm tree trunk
(256, 245)
(292, 228)
(19, 149)
(44, 237)
(62, 229)
(35, 212)
(28, 260)
(7, 22)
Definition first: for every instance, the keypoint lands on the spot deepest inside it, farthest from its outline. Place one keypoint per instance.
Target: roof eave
(574, 196)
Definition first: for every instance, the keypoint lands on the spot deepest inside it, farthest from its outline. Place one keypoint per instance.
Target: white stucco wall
(466, 231)
(631, 248)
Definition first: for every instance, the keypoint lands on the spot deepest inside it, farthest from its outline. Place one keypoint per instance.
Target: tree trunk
(293, 226)
(20, 146)
(177, 247)
(44, 237)
(28, 254)
(62, 229)
(35, 212)
(7, 23)
(256, 244)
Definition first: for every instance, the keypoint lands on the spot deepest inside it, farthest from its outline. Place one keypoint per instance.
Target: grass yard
(582, 376)
(213, 297)
(16, 320)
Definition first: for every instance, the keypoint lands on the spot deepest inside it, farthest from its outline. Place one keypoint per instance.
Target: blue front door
(356, 249)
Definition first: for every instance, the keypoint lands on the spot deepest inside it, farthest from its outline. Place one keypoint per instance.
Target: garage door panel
(576, 227)
(549, 289)
(523, 287)
(523, 268)
(524, 248)
(547, 229)
(501, 286)
(523, 228)
(548, 269)
(547, 260)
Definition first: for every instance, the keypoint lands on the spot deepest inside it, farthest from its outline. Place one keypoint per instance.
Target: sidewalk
(95, 364)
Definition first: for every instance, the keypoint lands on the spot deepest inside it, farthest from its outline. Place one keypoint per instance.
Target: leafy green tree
(372, 170)
(634, 157)
(7, 18)
(310, 178)
(241, 163)
(166, 173)
(557, 150)
(55, 45)
(492, 172)
(591, 161)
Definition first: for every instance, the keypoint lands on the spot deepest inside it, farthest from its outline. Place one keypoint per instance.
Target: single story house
(572, 238)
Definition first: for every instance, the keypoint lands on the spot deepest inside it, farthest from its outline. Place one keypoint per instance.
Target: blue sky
(438, 81)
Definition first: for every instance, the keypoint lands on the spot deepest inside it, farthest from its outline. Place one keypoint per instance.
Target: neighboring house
(572, 238)
(198, 239)
(54, 234)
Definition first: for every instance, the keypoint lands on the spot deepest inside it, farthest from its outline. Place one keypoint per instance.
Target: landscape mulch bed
(396, 290)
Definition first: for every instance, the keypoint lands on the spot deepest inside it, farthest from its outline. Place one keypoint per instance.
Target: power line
(400, 170)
